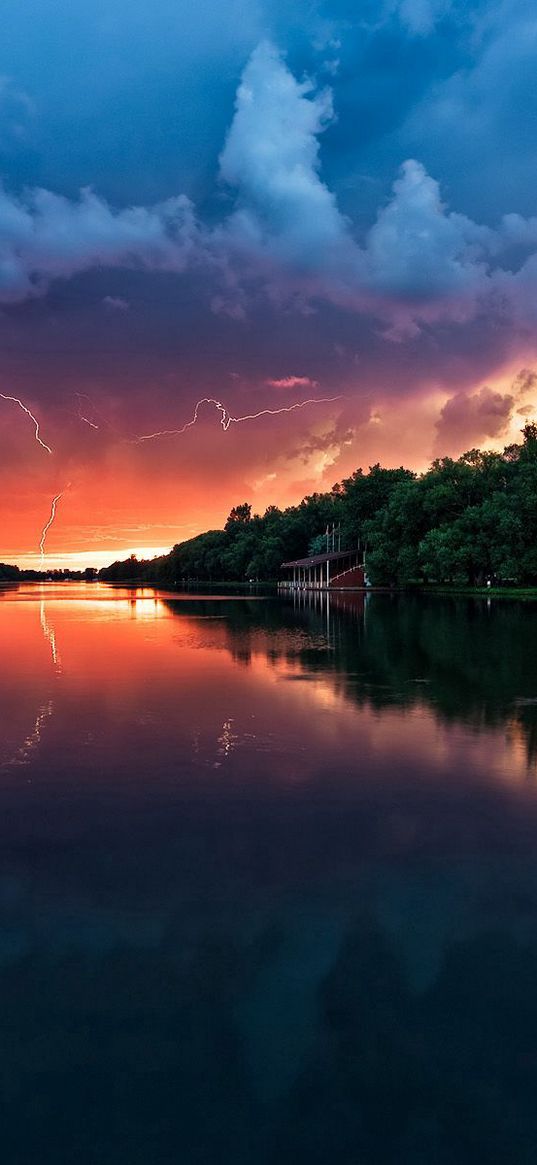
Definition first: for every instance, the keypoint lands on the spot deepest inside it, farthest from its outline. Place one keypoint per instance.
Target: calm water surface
(268, 879)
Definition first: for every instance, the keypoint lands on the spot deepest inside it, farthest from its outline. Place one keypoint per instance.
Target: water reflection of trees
(391, 1076)
(471, 660)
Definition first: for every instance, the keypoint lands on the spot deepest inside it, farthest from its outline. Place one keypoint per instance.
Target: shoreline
(195, 586)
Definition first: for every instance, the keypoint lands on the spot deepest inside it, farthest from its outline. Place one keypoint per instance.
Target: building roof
(317, 559)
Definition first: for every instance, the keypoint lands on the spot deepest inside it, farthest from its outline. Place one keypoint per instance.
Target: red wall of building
(351, 578)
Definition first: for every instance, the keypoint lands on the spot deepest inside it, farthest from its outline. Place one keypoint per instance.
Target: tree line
(464, 521)
(10, 573)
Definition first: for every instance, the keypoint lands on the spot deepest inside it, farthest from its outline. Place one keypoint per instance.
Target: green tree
(239, 515)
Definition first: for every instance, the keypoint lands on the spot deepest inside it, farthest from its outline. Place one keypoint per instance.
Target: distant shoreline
(271, 585)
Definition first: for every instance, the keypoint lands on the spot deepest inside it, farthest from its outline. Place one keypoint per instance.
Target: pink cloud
(293, 382)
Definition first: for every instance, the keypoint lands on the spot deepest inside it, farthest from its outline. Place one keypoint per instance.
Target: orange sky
(120, 497)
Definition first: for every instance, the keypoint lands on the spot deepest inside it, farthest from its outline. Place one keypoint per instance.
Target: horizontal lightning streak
(26, 410)
(318, 400)
(227, 419)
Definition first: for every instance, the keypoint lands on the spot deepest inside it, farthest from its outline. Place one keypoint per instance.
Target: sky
(260, 205)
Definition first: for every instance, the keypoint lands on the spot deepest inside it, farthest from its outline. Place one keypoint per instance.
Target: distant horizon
(83, 559)
(80, 561)
(98, 560)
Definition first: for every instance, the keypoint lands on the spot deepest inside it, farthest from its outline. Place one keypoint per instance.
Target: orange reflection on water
(136, 685)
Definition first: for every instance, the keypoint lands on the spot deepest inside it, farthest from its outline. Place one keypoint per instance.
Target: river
(268, 878)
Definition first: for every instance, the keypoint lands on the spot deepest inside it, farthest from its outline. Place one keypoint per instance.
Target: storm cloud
(419, 262)
(469, 418)
(260, 204)
(45, 236)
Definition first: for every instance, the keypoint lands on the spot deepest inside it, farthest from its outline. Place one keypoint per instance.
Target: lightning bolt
(95, 411)
(226, 419)
(47, 526)
(87, 421)
(26, 410)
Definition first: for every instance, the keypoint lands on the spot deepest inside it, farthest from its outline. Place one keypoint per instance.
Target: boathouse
(339, 569)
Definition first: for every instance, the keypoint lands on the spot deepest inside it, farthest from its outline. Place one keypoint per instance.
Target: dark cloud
(289, 195)
(116, 303)
(525, 381)
(469, 418)
(45, 236)
(475, 126)
(419, 263)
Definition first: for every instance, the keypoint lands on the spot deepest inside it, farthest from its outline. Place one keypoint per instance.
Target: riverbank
(510, 592)
(271, 585)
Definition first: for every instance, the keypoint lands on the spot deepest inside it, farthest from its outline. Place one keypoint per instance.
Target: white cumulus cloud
(271, 157)
(44, 236)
